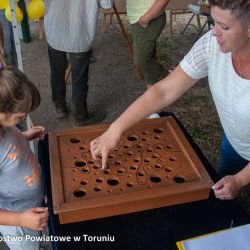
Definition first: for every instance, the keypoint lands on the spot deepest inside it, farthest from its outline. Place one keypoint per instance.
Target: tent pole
(19, 55)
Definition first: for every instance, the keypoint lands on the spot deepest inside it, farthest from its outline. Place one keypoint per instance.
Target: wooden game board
(154, 166)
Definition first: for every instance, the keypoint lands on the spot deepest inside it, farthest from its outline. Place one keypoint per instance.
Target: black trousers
(79, 71)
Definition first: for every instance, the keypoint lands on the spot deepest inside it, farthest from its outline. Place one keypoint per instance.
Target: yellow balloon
(5, 3)
(35, 9)
(19, 14)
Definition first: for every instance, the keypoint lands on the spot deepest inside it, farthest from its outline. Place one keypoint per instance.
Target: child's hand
(37, 132)
(34, 218)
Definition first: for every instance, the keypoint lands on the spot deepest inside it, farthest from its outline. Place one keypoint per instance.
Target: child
(21, 189)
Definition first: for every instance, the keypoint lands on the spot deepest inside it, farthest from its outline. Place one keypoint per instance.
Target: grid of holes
(81, 192)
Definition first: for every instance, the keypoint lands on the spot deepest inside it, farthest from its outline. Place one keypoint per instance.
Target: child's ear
(2, 116)
(248, 31)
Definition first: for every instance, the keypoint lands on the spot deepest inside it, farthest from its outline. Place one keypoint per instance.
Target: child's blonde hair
(17, 93)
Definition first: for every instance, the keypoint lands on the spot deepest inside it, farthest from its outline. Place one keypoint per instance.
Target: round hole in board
(158, 130)
(179, 179)
(79, 193)
(130, 184)
(99, 180)
(168, 169)
(75, 140)
(133, 167)
(132, 138)
(83, 183)
(172, 158)
(80, 163)
(155, 178)
(158, 166)
(113, 181)
(97, 189)
(106, 171)
(120, 171)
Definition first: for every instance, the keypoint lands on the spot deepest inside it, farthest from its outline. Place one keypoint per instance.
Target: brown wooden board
(153, 166)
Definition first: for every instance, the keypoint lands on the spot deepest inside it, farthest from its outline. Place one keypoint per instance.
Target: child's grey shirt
(21, 183)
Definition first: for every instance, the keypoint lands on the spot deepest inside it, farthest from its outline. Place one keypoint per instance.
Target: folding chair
(195, 9)
(177, 7)
(199, 10)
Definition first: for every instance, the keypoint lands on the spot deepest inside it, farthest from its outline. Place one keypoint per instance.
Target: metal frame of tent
(12, 3)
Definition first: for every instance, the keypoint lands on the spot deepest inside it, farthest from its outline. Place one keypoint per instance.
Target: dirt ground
(112, 81)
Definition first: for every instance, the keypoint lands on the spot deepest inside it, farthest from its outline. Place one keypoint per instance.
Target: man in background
(69, 28)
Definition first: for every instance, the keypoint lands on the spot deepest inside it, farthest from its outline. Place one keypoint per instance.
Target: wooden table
(153, 229)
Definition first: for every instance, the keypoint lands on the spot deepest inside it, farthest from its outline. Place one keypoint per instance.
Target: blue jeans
(79, 72)
(9, 43)
(231, 162)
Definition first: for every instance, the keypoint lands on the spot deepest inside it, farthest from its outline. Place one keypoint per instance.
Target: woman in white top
(223, 55)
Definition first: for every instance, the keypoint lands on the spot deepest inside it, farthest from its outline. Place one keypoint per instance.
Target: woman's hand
(227, 188)
(102, 145)
(34, 218)
(37, 132)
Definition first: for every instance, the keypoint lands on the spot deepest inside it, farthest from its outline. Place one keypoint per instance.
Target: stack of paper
(237, 238)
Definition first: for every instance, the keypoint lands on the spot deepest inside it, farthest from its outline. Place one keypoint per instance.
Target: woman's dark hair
(17, 93)
(239, 8)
